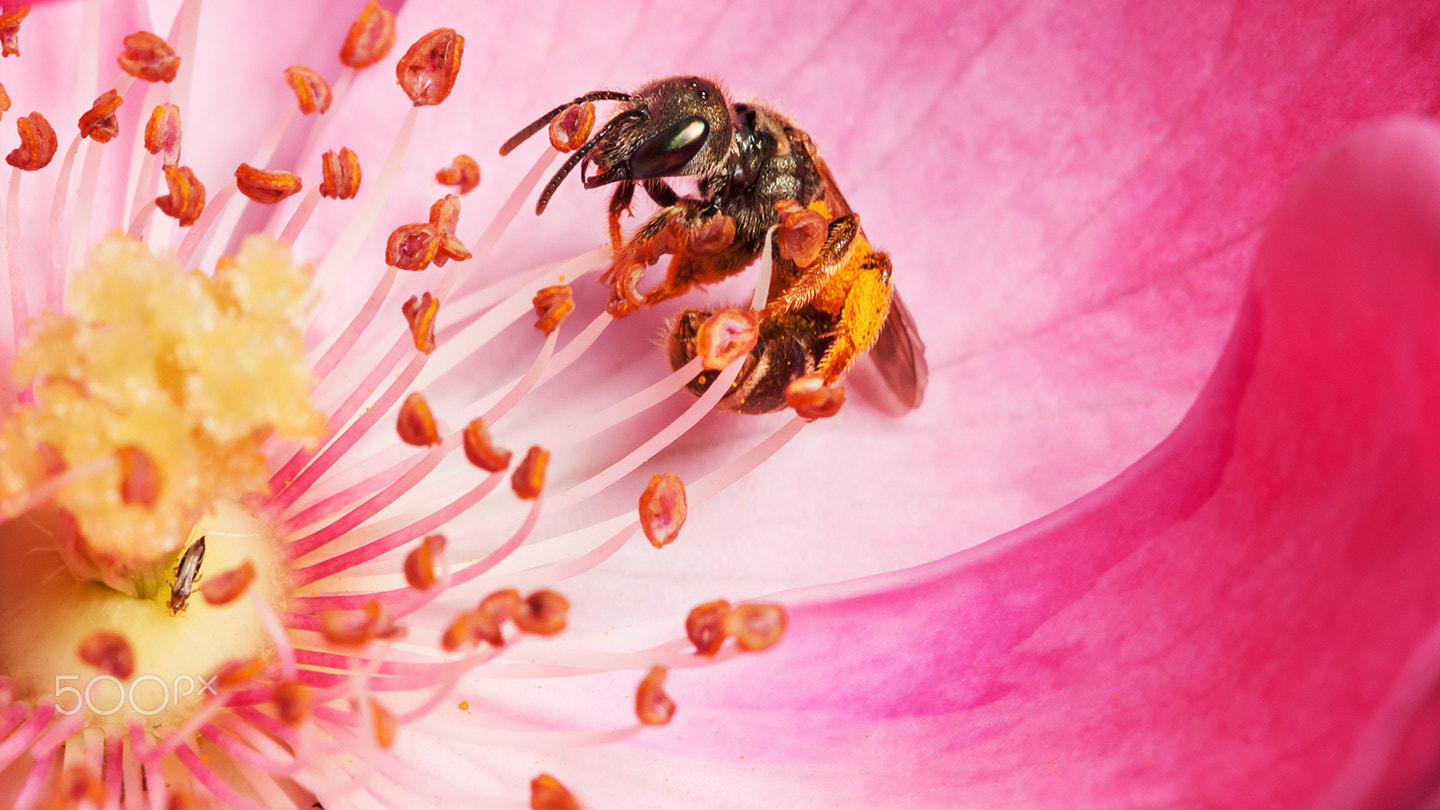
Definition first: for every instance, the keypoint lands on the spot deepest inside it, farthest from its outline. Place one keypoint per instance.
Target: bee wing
(899, 355)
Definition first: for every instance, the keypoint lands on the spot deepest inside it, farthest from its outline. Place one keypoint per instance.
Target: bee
(748, 164)
(186, 573)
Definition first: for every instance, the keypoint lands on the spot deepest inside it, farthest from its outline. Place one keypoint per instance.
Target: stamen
(542, 613)
(312, 92)
(139, 476)
(480, 448)
(812, 399)
(149, 58)
(225, 588)
(546, 793)
(340, 174)
(416, 423)
(420, 312)
(662, 509)
(427, 71)
(186, 200)
(421, 563)
(370, 37)
(463, 172)
(705, 627)
(99, 123)
(292, 702)
(384, 722)
(412, 247)
(445, 216)
(755, 627)
(552, 306)
(652, 705)
(529, 477)
(726, 337)
(570, 129)
(37, 144)
(5, 102)
(162, 133)
(265, 187)
(108, 652)
(10, 30)
(801, 233)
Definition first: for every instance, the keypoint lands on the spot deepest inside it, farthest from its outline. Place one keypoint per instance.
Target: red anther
(726, 336)
(444, 216)
(237, 672)
(412, 247)
(420, 313)
(78, 786)
(416, 423)
(494, 610)
(149, 58)
(552, 306)
(139, 477)
(662, 509)
(529, 478)
(98, 123)
(384, 722)
(162, 133)
(186, 199)
(370, 38)
(812, 399)
(652, 705)
(349, 628)
(705, 626)
(4, 100)
(311, 91)
(37, 144)
(222, 589)
(546, 793)
(801, 234)
(421, 562)
(10, 30)
(463, 171)
(570, 129)
(458, 633)
(292, 702)
(264, 186)
(712, 237)
(481, 451)
(542, 613)
(755, 627)
(427, 71)
(52, 461)
(340, 174)
(108, 652)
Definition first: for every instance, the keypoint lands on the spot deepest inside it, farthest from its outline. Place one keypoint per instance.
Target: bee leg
(619, 204)
(866, 306)
(812, 278)
(690, 230)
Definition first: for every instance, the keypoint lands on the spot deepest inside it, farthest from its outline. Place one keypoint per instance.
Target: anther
(801, 234)
(552, 306)
(427, 71)
(162, 133)
(570, 129)
(108, 652)
(99, 122)
(755, 627)
(412, 247)
(463, 172)
(10, 30)
(385, 724)
(420, 313)
(186, 199)
(222, 589)
(546, 793)
(4, 100)
(37, 144)
(542, 613)
(529, 478)
(292, 702)
(311, 91)
(370, 37)
(652, 705)
(78, 786)
(139, 477)
(662, 509)
(481, 451)
(420, 564)
(348, 628)
(238, 672)
(444, 217)
(812, 399)
(726, 336)
(712, 237)
(416, 423)
(340, 174)
(264, 186)
(705, 627)
(149, 58)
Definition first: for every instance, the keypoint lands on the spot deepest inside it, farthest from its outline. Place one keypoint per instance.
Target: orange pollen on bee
(186, 199)
(416, 423)
(463, 172)
(10, 30)
(312, 92)
(162, 133)
(552, 306)
(99, 123)
(542, 613)
(428, 69)
(705, 627)
(149, 58)
(108, 652)
(139, 477)
(812, 399)
(420, 312)
(570, 129)
(37, 144)
(340, 174)
(480, 448)
(293, 701)
(652, 706)
(528, 479)
(726, 336)
(421, 562)
(266, 187)
(663, 509)
(370, 37)
(546, 793)
(755, 627)
(225, 588)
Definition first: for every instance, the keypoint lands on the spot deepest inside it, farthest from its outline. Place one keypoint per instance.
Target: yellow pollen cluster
(191, 371)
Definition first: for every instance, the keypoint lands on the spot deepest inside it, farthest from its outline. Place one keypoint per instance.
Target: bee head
(672, 127)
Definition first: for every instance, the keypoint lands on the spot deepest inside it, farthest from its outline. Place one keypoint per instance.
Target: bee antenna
(579, 155)
(544, 120)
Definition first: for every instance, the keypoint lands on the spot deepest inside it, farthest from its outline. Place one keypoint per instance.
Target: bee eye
(668, 152)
